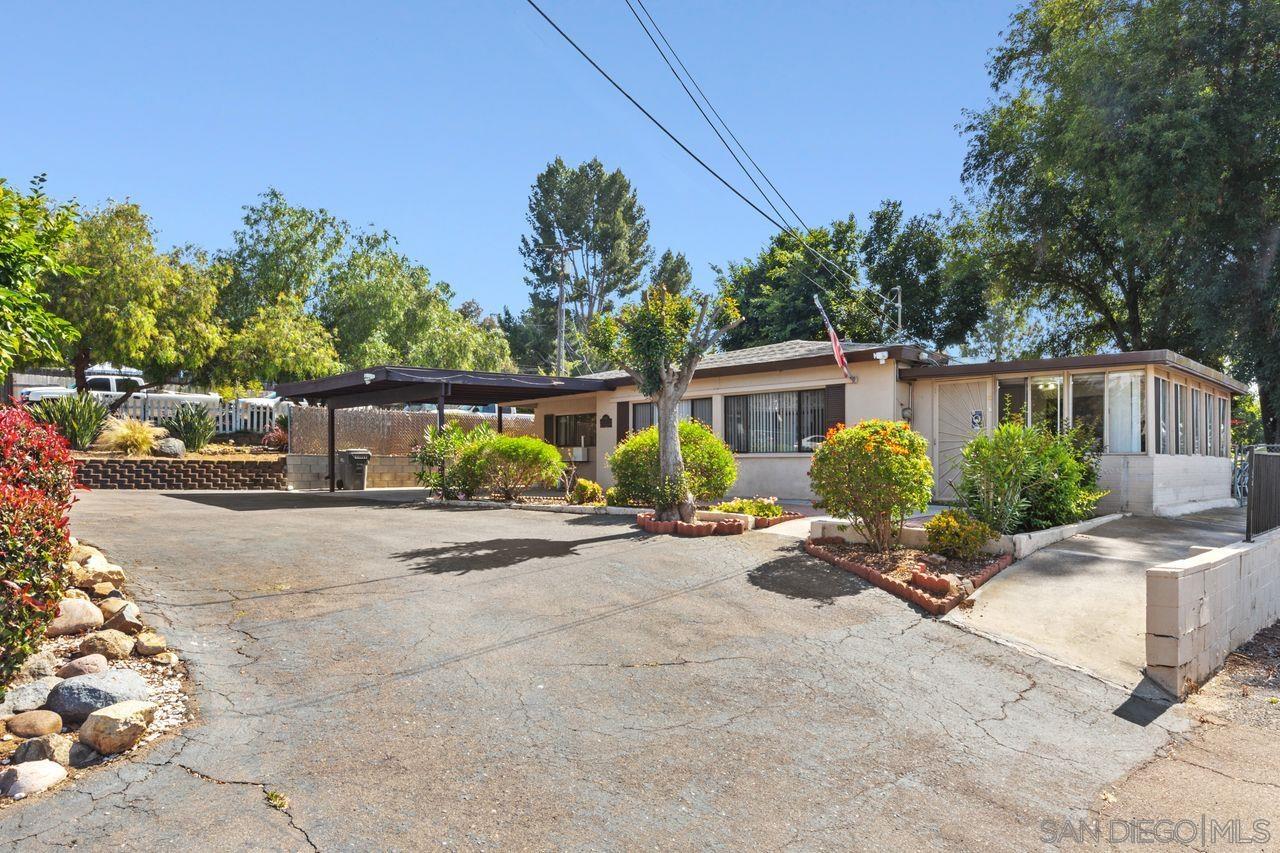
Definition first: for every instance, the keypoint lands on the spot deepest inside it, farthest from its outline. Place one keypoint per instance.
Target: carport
(392, 386)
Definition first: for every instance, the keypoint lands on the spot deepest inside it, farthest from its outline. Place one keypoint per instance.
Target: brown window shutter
(624, 420)
(833, 406)
(549, 428)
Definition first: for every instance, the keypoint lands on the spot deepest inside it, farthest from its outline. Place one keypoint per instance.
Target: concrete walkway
(1083, 600)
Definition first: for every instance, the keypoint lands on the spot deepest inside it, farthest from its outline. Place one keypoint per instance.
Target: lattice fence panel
(383, 432)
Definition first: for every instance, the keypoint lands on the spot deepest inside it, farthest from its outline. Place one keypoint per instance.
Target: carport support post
(440, 427)
(499, 417)
(333, 484)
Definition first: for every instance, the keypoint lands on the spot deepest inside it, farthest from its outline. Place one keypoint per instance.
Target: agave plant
(79, 417)
(192, 424)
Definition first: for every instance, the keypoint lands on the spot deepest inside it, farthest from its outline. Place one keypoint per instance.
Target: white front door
(963, 410)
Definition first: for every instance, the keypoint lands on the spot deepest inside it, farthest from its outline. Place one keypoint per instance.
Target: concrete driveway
(1083, 600)
(412, 677)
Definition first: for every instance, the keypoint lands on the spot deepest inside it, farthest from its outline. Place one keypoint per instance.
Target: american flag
(836, 349)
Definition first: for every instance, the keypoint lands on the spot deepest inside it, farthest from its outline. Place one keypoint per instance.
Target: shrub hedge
(955, 533)
(709, 466)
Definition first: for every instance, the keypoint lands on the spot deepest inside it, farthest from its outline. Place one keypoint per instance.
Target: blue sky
(432, 119)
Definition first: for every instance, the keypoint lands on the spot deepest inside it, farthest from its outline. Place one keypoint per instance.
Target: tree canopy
(34, 234)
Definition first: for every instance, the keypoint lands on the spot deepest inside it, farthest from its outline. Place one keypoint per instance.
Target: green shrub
(874, 474)
(516, 463)
(955, 533)
(709, 466)
(759, 507)
(192, 424)
(131, 436)
(456, 447)
(282, 420)
(79, 417)
(37, 475)
(1022, 478)
(586, 492)
(611, 497)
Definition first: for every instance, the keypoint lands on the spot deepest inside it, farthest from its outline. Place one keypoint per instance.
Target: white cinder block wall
(1201, 608)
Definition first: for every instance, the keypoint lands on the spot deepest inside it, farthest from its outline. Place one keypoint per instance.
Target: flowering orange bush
(875, 474)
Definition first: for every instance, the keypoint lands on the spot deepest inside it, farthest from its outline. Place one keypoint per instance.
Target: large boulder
(75, 616)
(34, 724)
(171, 448)
(77, 698)
(84, 666)
(110, 643)
(29, 696)
(30, 777)
(117, 727)
(50, 747)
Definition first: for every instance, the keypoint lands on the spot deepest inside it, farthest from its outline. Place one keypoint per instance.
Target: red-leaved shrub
(276, 439)
(37, 475)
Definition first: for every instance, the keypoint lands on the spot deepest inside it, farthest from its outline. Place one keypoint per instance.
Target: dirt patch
(1247, 689)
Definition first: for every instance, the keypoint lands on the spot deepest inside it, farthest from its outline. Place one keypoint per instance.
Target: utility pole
(897, 292)
(563, 251)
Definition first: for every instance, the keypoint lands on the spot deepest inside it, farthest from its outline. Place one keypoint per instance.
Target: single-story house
(1162, 420)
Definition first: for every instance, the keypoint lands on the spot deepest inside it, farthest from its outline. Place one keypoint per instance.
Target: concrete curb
(1019, 545)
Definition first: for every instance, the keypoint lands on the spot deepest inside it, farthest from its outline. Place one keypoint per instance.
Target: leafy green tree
(597, 212)
(278, 343)
(1129, 163)
(132, 304)
(1246, 421)
(659, 343)
(384, 309)
(34, 234)
(281, 250)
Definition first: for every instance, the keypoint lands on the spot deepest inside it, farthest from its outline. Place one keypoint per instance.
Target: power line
(675, 139)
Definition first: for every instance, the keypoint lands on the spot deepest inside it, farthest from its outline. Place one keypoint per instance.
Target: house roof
(788, 355)
(385, 385)
(1158, 357)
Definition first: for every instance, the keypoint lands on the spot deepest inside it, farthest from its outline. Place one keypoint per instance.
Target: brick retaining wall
(151, 473)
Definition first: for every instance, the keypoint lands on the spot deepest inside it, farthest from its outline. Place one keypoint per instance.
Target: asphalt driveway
(412, 677)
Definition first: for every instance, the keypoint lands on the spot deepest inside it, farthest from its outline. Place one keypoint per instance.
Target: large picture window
(645, 415)
(1037, 400)
(1088, 404)
(1126, 413)
(576, 430)
(1180, 418)
(779, 422)
(1163, 443)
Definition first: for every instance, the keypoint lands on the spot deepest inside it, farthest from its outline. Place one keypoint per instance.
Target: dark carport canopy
(390, 386)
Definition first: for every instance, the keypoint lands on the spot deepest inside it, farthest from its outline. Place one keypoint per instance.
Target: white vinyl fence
(256, 416)
(248, 416)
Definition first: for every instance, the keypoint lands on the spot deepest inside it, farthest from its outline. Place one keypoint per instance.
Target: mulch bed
(907, 572)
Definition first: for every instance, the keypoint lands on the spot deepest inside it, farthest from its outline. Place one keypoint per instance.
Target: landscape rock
(96, 570)
(76, 593)
(117, 727)
(38, 665)
(50, 747)
(128, 620)
(83, 756)
(77, 698)
(75, 616)
(165, 659)
(170, 448)
(111, 606)
(149, 643)
(84, 666)
(30, 777)
(34, 724)
(29, 696)
(934, 560)
(110, 643)
(81, 552)
(102, 590)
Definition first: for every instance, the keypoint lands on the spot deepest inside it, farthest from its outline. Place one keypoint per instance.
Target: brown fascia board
(1159, 357)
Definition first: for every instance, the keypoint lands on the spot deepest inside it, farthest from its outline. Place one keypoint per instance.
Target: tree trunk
(80, 364)
(670, 460)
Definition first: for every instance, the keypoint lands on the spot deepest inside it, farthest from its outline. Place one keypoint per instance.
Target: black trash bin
(353, 467)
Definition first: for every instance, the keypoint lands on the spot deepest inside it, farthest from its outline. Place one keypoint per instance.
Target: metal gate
(1263, 490)
(963, 410)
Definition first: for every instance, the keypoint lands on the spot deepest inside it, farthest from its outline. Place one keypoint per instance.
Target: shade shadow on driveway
(460, 558)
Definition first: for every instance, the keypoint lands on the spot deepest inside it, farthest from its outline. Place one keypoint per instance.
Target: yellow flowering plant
(875, 474)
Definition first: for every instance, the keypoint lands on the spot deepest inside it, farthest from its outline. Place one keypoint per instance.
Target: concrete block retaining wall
(153, 473)
(1201, 608)
(384, 472)
(1019, 545)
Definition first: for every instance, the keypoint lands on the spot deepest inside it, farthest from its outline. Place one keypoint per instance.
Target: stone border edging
(1019, 545)
(937, 605)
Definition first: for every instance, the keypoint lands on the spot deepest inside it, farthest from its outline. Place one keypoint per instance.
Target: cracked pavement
(410, 677)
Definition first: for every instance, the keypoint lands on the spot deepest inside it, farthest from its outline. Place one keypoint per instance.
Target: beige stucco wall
(784, 475)
(1201, 608)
